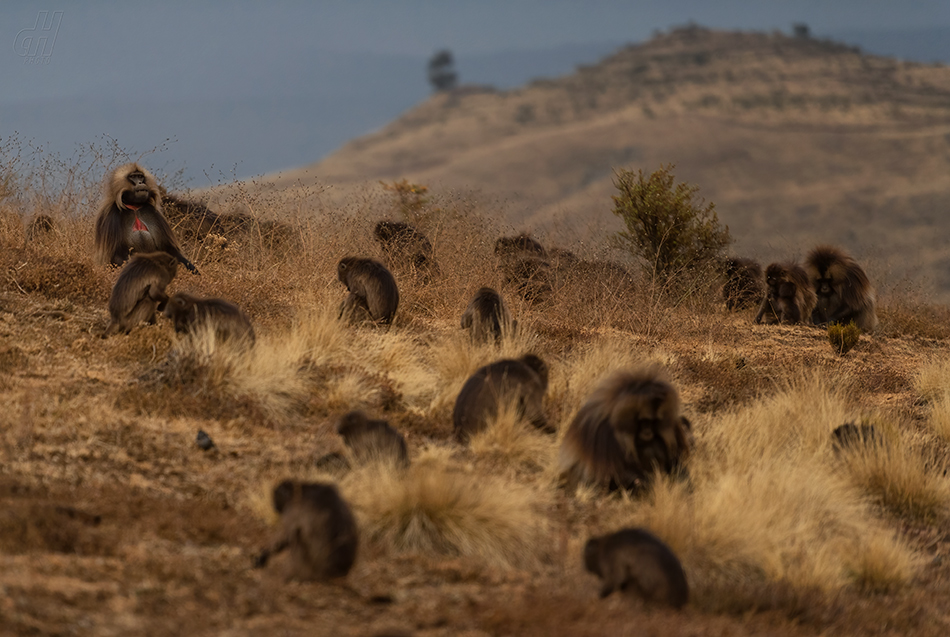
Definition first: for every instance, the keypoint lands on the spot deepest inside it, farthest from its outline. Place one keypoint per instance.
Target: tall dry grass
(766, 503)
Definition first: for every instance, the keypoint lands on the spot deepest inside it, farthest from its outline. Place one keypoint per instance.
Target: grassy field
(114, 522)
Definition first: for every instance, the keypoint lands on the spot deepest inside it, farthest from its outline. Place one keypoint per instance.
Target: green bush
(675, 234)
(843, 337)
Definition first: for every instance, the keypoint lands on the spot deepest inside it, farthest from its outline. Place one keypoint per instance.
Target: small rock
(204, 441)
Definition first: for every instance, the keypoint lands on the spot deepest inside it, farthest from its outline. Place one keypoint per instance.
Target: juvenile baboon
(317, 526)
(405, 246)
(191, 313)
(372, 440)
(637, 560)
(850, 437)
(789, 297)
(523, 381)
(140, 291)
(373, 293)
(131, 218)
(630, 427)
(487, 316)
(844, 292)
(744, 283)
(40, 226)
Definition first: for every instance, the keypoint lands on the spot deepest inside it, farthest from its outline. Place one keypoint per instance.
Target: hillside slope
(795, 140)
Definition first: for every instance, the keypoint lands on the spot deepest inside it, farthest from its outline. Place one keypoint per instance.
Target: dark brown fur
(132, 197)
(524, 380)
(843, 290)
(373, 292)
(789, 296)
(372, 440)
(406, 247)
(637, 560)
(630, 427)
(189, 312)
(520, 245)
(318, 528)
(487, 316)
(744, 284)
(140, 290)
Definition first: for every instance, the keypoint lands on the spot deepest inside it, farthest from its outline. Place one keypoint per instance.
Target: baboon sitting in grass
(487, 316)
(789, 296)
(372, 440)
(638, 561)
(317, 527)
(140, 291)
(629, 428)
(190, 313)
(523, 381)
(373, 294)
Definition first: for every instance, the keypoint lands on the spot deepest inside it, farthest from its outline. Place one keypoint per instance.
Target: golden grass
(509, 441)
(899, 476)
(932, 380)
(766, 504)
(437, 507)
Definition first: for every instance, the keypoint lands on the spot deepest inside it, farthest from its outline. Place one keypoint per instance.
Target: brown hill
(796, 140)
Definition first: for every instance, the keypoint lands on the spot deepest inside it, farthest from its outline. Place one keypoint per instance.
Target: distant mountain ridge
(796, 140)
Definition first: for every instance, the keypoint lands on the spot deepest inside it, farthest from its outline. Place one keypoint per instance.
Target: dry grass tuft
(436, 507)
(510, 441)
(900, 477)
(204, 375)
(766, 506)
(932, 380)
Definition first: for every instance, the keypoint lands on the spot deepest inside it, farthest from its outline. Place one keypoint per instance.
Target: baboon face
(645, 432)
(137, 193)
(824, 286)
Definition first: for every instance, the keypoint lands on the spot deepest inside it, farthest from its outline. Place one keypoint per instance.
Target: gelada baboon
(191, 313)
(523, 381)
(372, 440)
(637, 560)
(140, 291)
(316, 524)
(372, 290)
(519, 245)
(523, 262)
(844, 292)
(789, 297)
(629, 428)
(744, 283)
(404, 246)
(131, 219)
(487, 317)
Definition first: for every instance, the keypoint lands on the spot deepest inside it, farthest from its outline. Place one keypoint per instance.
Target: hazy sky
(238, 81)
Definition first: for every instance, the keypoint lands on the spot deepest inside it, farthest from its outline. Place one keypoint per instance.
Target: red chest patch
(138, 226)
